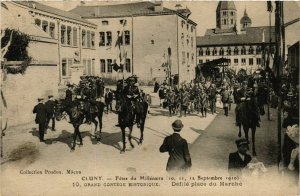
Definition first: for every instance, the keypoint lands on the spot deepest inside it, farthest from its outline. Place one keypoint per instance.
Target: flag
(269, 6)
(115, 67)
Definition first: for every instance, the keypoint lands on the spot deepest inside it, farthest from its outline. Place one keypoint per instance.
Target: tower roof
(226, 5)
(245, 18)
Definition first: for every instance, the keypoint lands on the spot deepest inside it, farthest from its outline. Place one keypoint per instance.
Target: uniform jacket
(50, 105)
(236, 164)
(240, 93)
(40, 111)
(108, 97)
(68, 96)
(225, 96)
(177, 148)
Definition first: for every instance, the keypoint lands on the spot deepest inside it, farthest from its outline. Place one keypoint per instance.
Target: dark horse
(248, 117)
(127, 114)
(77, 117)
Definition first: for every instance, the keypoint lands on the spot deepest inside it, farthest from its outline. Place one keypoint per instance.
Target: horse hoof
(132, 146)
(73, 148)
(122, 151)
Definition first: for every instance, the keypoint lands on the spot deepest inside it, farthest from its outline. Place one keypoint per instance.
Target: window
(64, 67)
(182, 23)
(127, 37)
(187, 26)
(236, 61)
(258, 61)
(224, 21)
(183, 57)
(70, 62)
(120, 37)
(192, 29)
(108, 38)
(224, 13)
(207, 52)
(105, 22)
(258, 50)
(192, 57)
(231, 13)
(201, 52)
(231, 21)
(200, 61)
(37, 22)
(52, 29)
(192, 42)
(89, 67)
(243, 51)
(228, 51)
(102, 65)
(101, 39)
(123, 21)
(74, 36)
(207, 60)
(188, 57)
(62, 34)
(45, 26)
(69, 31)
(83, 38)
(93, 67)
(229, 61)
(243, 61)
(88, 39)
(187, 41)
(251, 50)
(109, 66)
(84, 66)
(214, 51)
(93, 39)
(250, 61)
(221, 52)
(152, 42)
(236, 51)
(128, 65)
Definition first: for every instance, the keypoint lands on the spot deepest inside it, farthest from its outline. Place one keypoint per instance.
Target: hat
(136, 84)
(40, 99)
(78, 97)
(177, 125)
(50, 96)
(290, 94)
(69, 85)
(241, 142)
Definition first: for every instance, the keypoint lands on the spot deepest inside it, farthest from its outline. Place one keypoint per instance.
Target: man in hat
(239, 98)
(40, 119)
(239, 159)
(177, 147)
(108, 99)
(50, 105)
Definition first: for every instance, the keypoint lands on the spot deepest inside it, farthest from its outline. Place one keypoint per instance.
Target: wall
(152, 35)
(21, 92)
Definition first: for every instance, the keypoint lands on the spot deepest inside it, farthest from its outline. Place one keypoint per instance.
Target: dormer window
(105, 22)
(123, 21)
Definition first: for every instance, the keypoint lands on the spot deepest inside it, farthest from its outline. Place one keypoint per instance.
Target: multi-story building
(244, 48)
(152, 35)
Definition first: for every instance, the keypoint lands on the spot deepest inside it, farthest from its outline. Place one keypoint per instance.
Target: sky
(204, 12)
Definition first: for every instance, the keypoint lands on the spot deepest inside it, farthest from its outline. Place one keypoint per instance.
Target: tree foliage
(17, 51)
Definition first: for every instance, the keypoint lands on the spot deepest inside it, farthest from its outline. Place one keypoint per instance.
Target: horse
(126, 117)
(77, 116)
(248, 119)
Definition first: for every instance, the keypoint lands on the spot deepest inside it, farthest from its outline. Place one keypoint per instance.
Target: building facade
(150, 35)
(245, 49)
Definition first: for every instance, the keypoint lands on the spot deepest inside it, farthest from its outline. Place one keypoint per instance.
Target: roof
(124, 10)
(52, 10)
(252, 35)
(226, 5)
(245, 18)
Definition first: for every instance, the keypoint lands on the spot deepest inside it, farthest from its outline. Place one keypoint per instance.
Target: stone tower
(245, 21)
(226, 15)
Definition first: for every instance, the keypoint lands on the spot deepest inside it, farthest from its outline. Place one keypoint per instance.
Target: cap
(50, 96)
(241, 142)
(40, 99)
(177, 125)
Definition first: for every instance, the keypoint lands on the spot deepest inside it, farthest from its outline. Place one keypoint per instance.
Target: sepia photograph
(140, 97)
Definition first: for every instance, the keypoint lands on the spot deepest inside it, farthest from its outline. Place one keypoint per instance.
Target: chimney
(158, 6)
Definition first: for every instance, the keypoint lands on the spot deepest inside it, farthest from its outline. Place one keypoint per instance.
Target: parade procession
(181, 97)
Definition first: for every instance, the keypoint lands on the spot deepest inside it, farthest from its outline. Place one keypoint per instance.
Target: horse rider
(239, 98)
(69, 97)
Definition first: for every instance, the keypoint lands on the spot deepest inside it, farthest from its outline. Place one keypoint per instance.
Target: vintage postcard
(149, 98)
